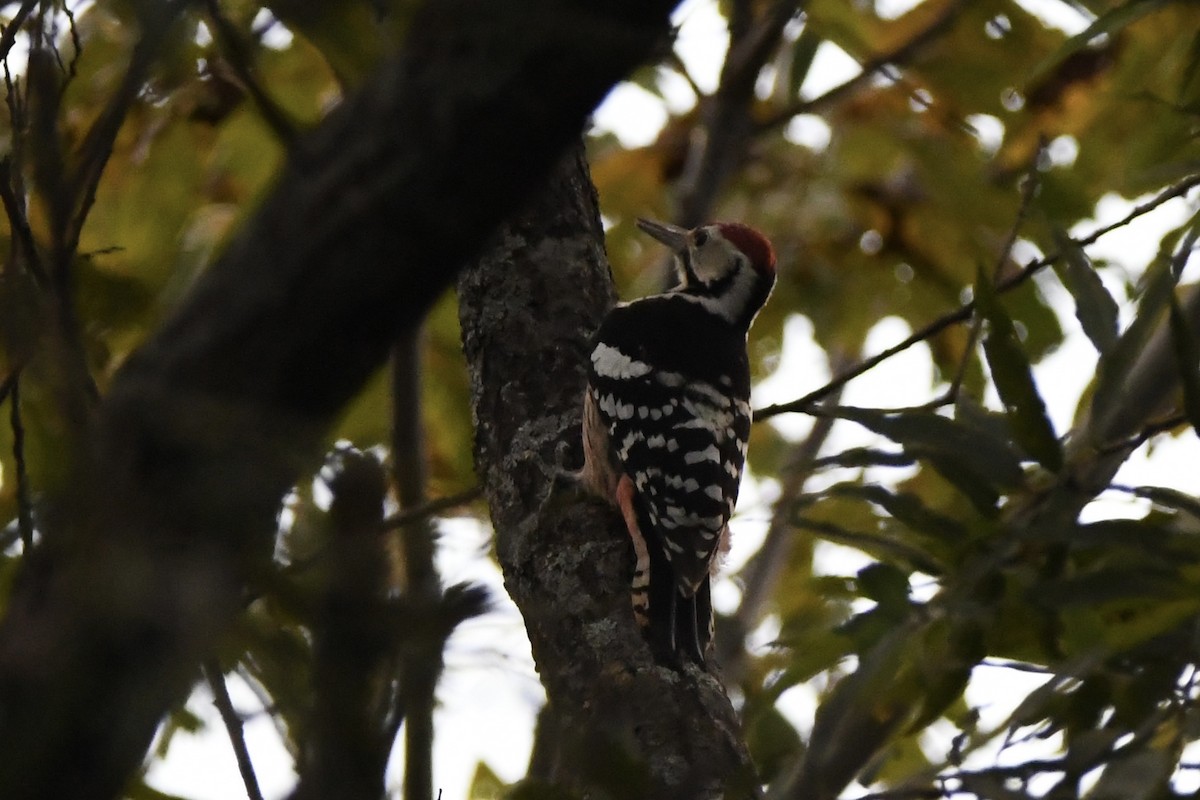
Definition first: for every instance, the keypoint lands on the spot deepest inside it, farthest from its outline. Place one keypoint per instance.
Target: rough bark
(629, 728)
(210, 422)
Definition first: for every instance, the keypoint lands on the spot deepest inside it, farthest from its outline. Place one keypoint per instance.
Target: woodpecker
(666, 422)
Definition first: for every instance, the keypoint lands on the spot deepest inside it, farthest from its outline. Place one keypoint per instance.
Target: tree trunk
(631, 728)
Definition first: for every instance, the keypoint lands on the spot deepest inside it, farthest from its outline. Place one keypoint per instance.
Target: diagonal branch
(235, 52)
(8, 37)
(97, 145)
(210, 422)
(964, 312)
(431, 507)
(233, 727)
(898, 55)
(727, 122)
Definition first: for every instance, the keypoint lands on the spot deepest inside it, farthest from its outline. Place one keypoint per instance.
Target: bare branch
(727, 122)
(215, 678)
(8, 36)
(428, 509)
(97, 144)
(965, 311)
(235, 52)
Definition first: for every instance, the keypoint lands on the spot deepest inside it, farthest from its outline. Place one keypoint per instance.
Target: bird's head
(728, 266)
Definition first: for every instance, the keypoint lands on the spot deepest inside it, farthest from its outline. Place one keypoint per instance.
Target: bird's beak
(672, 236)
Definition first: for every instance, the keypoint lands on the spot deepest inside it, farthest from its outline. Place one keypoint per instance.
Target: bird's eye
(700, 238)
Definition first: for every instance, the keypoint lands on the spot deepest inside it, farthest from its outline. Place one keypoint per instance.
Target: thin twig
(97, 145)
(24, 508)
(9, 35)
(1029, 188)
(1144, 435)
(417, 513)
(23, 247)
(7, 384)
(965, 311)
(76, 41)
(894, 57)
(239, 61)
(728, 126)
(233, 726)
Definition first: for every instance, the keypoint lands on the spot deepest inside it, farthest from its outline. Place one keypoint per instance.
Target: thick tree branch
(527, 309)
(212, 420)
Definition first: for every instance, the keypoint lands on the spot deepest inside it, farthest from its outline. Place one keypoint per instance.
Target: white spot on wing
(610, 362)
(709, 453)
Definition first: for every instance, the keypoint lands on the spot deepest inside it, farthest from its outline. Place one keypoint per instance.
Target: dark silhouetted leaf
(858, 457)
(1187, 357)
(1014, 380)
(952, 447)
(1109, 23)
(1170, 498)
(1094, 306)
(1114, 368)
(875, 544)
(907, 508)
(884, 584)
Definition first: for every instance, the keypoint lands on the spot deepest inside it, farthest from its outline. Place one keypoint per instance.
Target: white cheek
(710, 265)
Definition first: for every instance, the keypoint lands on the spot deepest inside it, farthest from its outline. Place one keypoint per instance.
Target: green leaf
(772, 740)
(1113, 370)
(858, 457)
(486, 784)
(1143, 774)
(876, 544)
(1094, 306)
(954, 449)
(1170, 498)
(884, 584)
(353, 35)
(1109, 23)
(1187, 355)
(909, 509)
(1109, 585)
(803, 53)
(1014, 380)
